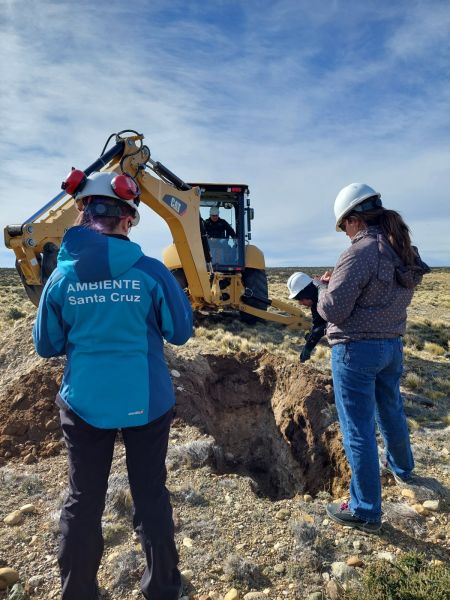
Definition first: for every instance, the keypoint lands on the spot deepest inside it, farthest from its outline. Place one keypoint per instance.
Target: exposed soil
(269, 418)
(254, 457)
(29, 416)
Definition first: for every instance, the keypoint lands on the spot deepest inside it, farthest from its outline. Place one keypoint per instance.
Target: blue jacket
(108, 307)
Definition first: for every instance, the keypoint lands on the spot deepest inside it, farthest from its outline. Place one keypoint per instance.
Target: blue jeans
(366, 377)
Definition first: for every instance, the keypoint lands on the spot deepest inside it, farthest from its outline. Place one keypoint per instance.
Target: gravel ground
(234, 541)
(228, 537)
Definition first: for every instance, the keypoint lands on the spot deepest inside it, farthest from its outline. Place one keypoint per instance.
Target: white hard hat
(297, 282)
(102, 184)
(213, 211)
(350, 197)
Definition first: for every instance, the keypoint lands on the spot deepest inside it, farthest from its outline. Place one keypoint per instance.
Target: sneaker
(340, 513)
(399, 479)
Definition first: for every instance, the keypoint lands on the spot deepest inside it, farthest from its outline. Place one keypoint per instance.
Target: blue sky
(293, 97)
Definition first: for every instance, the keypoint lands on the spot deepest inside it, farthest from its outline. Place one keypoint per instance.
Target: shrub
(119, 502)
(414, 341)
(29, 485)
(443, 384)
(413, 425)
(418, 334)
(243, 572)
(126, 570)
(115, 533)
(304, 534)
(321, 352)
(189, 496)
(433, 348)
(194, 455)
(14, 313)
(413, 381)
(412, 577)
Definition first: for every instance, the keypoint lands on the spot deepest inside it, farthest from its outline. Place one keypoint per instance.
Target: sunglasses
(343, 225)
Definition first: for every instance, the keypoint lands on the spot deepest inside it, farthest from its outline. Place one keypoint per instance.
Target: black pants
(90, 455)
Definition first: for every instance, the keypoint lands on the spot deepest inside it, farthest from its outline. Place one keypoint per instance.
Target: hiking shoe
(340, 513)
(399, 479)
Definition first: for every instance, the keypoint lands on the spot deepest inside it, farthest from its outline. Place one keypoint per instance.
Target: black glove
(306, 354)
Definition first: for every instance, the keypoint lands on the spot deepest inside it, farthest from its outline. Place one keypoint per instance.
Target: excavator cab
(226, 240)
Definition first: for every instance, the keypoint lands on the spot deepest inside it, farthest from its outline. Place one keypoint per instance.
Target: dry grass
(432, 299)
(410, 577)
(231, 336)
(426, 341)
(413, 381)
(442, 384)
(433, 348)
(413, 424)
(14, 303)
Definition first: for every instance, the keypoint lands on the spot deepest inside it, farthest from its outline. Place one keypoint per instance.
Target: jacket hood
(86, 255)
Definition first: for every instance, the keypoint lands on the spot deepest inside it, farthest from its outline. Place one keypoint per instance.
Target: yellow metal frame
(180, 210)
(254, 258)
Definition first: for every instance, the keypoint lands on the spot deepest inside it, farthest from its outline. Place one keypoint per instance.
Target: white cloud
(275, 105)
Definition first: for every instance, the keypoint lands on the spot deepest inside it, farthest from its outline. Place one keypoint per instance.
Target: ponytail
(98, 224)
(398, 233)
(394, 229)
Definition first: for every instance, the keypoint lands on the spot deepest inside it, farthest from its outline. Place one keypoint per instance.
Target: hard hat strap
(98, 206)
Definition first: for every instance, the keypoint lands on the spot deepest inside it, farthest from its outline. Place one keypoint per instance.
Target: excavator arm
(36, 242)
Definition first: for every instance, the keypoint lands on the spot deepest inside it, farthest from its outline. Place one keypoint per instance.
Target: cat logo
(175, 203)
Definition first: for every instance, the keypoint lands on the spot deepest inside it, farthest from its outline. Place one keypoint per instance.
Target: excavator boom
(36, 242)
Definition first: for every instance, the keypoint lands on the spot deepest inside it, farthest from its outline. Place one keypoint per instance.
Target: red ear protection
(74, 182)
(125, 187)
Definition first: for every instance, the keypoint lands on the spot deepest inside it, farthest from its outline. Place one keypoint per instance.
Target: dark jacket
(318, 323)
(369, 290)
(318, 328)
(220, 229)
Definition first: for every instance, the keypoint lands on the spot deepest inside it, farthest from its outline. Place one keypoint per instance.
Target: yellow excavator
(216, 273)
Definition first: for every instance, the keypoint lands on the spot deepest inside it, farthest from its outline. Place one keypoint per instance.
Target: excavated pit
(270, 418)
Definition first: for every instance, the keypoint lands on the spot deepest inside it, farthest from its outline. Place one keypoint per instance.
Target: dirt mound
(271, 418)
(17, 353)
(28, 414)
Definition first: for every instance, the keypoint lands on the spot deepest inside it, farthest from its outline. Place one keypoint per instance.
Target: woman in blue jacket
(108, 308)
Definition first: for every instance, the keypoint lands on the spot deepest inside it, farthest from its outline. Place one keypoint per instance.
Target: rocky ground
(254, 457)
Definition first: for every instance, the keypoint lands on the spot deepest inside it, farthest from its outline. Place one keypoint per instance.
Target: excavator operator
(218, 228)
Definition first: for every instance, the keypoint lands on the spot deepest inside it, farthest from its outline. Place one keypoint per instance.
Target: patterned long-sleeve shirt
(363, 299)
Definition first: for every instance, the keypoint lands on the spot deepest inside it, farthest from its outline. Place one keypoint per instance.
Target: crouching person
(305, 290)
(108, 308)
